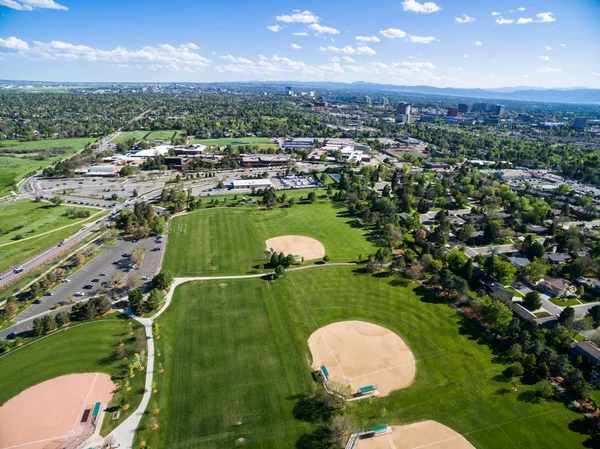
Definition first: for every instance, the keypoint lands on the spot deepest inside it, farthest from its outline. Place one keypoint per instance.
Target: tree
(594, 313)
(325, 258)
(56, 201)
(163, 280)
(498, 315)
(312, 197)
(61, 318)
(38, 327)
(79, 259)
(503, 271)
(532, 300)
(577, 268)
(466, 232)
(515, 352)
(274, 259)
(566, 317)
(279, 271)
(48, 323)
(534, 271)
(156, 298)
(514, 370)
(159, 226)
(535, 251)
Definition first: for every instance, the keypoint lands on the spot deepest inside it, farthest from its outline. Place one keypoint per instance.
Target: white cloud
(298, 17)
(595, 73)
(162, 57)
(456, 68)
(523, 21)
(274, 28)
(347, 50)
(502, 21)
(233, 59)
(364, 50)
(545, 58)
(30, 5)
(296, 46)
(323, 29)
(379, 65)
(522, 9)
(302, 33)
(415, 65)
(465, 19)
(563, 45)
(393, 33)
(547, 48)
(367, 39)
(420, 39)
(13, 43)
(495, 13)
(545, 17)
(478, 43)
(334, 59)
(348, 59)
(549, 70)
(423, 8)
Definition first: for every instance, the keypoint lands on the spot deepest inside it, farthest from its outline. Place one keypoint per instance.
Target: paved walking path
(125, 432)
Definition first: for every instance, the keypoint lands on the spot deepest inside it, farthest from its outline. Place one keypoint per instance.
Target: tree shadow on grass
(426, 296)
(586, 427)
(319, 439)
(311, 409)
(503, 391)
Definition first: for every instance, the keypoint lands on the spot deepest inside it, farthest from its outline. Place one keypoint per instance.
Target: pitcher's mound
(363, 354)
(429, 434)
(297, 245)
(55, 413)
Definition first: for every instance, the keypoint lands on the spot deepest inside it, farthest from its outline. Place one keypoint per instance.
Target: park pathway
(124, 434)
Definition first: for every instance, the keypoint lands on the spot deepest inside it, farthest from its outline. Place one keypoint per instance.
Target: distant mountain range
(520, 93)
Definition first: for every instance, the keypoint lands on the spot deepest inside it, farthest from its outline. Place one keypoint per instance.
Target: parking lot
(96, 273)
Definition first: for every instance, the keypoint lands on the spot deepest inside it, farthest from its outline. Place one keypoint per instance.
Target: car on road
(61, 243)
(66, 280)
(49, 294)
(131, 265)
(156, 248)
(37, 301)
(125, 255)
(102, 274)
(78, 294)
(95, 280)
(145, 278)
(88, 286)
(18, 270)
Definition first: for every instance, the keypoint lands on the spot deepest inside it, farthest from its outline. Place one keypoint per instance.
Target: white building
(250, 184)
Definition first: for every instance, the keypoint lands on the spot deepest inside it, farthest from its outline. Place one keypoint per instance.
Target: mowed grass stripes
(232, 241)
(236, 357)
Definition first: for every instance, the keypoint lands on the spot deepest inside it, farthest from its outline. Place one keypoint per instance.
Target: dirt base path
(52, 411)
(425, 434)
(360, 354)
(297, 245)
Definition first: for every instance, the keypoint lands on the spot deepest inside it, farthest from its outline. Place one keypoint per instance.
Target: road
(102, 263)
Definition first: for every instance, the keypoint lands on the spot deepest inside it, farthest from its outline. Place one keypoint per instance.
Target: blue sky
(456, 43)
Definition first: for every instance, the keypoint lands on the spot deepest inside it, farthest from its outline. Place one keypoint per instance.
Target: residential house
(556, 286)
(557, 258)
(588, 351)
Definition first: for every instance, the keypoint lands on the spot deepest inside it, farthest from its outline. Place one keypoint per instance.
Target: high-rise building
(385, 101)
(289, 91)
(479, 107)
(496, 109)
(464, 108)
(579, 123)
(368, 100)
(402, 113)
(452, 112)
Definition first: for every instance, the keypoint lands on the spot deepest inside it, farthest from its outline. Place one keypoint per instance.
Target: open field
(263, 142)
(238, 366)
(232, 241)
(13, 168)
(12, 252)
(145, 135)
(86, 348)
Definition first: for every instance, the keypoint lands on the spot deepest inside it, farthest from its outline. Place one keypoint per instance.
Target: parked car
(102, 274)
(95, 280)
(78, 294)
(49, 294)
(88, 286)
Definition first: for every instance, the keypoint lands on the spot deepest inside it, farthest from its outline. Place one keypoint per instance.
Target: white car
(78, 294)
(145, 278)
(66, 280)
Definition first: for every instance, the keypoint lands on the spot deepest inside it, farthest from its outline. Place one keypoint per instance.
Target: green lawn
(263, 142)
(13, 168)
(145, 135)
(86, 348)
(41, 218)
(236, 365)
(232, 241)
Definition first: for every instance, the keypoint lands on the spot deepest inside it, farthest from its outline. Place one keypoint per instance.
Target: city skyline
(438, 43)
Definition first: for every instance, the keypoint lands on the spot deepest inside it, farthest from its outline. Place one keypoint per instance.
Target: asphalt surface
(102, 263)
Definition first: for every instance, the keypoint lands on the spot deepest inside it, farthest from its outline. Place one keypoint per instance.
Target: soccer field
(232, 241)
(237, 366)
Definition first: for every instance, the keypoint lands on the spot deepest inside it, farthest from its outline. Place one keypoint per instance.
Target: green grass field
(263, 142)
(230, 241)
(86, 348)
(41, 217)
(13, 168)
(144, 135)
(237, 366)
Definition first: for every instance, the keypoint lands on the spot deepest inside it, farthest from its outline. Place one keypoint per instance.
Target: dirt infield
(49, 413)
(297, 245)
(361, 354)
(425, 434)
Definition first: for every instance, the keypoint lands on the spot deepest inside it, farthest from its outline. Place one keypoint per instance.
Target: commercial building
(403, 112)
(103, 170)
(192, 150)
(159, 150)
(298, 144)
(579, 123)
(464, 108)
(479, 107)
(250, 184)
(452, 112)
(496, 109)
(428, 118)
(265, 160)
